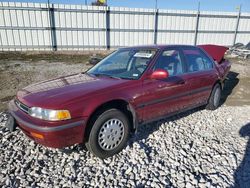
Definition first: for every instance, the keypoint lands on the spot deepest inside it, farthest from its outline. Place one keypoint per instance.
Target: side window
(170, 60)
(197, 60)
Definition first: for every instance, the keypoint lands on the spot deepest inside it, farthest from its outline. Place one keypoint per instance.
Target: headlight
(51, 115)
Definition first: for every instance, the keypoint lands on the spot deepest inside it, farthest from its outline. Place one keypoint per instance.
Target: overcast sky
(216, 5)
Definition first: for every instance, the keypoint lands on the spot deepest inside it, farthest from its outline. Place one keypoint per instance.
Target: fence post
(52, 26)
(236, 26)
(196, 26)
(155, 26)
(107, 12)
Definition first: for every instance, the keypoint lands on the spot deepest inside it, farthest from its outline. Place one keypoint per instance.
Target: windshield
(124, 63)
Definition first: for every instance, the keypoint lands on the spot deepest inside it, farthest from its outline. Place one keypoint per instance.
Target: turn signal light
(63, 114)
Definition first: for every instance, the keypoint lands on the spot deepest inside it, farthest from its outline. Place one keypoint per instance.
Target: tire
(214, 99)
(109, 134)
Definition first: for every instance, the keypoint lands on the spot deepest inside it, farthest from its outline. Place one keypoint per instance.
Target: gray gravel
(199, 148)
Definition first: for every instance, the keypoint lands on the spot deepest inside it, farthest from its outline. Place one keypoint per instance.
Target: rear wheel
(214, 99)
(109, 134)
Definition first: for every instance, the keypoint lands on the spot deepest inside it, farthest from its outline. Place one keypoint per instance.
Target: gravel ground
(199, 148)
(15, 75)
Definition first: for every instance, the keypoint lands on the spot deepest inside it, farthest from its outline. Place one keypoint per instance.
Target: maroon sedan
(132, 86)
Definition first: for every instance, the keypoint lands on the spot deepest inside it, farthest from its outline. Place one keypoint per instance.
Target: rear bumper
(58, 134)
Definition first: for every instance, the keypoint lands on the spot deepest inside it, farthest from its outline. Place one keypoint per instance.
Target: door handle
(181, 82)
(170, 84)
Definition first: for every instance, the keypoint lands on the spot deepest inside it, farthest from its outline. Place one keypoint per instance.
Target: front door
(163, 97)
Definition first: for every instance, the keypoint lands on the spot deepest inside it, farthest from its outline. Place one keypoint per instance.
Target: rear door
(201, 75)
(163, 97)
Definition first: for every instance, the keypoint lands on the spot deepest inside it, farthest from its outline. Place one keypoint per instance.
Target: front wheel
(109, 134)
(214, 99)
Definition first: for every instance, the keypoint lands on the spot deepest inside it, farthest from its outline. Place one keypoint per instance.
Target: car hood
(58, 92)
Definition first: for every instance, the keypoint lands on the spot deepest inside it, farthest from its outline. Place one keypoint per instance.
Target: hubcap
(217, 97)
(111, 134)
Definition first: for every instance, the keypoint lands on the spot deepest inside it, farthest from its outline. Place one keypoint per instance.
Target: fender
(135, 119)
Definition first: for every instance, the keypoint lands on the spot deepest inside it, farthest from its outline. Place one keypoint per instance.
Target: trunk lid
(215, 51)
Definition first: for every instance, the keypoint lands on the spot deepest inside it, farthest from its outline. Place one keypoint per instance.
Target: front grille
(22, 106)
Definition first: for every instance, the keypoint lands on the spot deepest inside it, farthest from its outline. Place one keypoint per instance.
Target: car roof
(159, 46)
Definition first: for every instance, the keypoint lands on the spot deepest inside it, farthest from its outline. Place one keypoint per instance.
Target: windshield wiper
(127, 78)
(106, 75)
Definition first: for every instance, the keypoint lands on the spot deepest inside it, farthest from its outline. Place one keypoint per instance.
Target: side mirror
(159, 74)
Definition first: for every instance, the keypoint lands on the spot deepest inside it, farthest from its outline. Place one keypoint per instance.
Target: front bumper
(55, 134)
